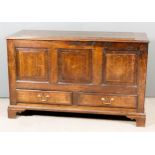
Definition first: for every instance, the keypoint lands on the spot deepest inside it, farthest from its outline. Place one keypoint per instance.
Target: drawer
(97, 99)
(49, 97)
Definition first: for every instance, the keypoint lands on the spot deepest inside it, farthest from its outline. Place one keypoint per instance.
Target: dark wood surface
(94, 76)
(80, 36)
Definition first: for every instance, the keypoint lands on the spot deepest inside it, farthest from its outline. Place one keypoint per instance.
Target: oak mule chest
(78, 72)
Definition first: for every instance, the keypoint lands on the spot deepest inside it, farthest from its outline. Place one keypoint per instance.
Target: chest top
(80, 36)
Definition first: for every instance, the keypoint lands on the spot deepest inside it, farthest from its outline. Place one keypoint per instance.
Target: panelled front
(78, 64)
(87, 67)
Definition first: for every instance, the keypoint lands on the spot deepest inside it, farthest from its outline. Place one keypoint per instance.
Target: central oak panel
(75, 65)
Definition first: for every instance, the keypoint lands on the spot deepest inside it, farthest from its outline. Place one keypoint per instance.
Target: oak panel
(75, 65)
(120, 67)
(32, 64)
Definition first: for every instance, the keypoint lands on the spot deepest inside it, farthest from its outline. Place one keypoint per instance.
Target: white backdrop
(147, 27)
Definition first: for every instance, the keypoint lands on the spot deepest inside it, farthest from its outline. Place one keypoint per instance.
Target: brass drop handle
(39, 95)
(107, 100)
(44, 98)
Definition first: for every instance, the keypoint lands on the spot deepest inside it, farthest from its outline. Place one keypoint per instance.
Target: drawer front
(95, 99)
(49, 97)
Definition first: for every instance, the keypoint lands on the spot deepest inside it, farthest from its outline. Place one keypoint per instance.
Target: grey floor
(53, 122)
